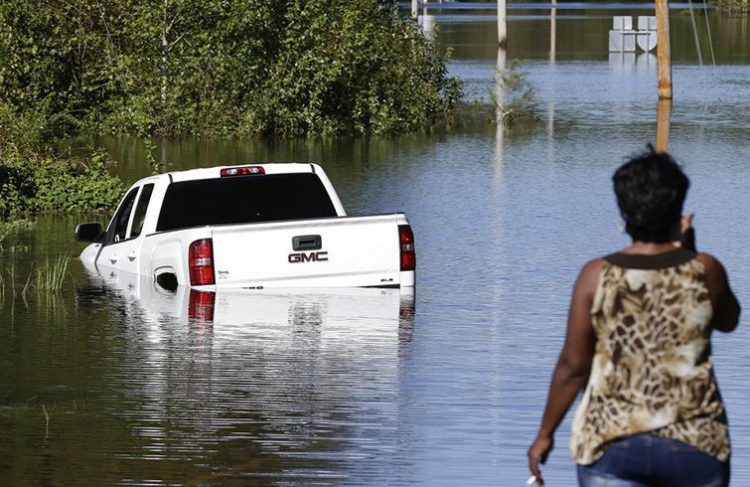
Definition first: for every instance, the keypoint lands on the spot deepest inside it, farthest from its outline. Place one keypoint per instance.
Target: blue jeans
(651, 461)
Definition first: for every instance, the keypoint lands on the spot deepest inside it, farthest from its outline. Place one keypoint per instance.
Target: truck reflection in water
(236, 305)
(310, 307)
(263, 386)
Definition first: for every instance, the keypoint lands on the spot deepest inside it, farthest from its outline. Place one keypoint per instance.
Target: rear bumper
(403, 280)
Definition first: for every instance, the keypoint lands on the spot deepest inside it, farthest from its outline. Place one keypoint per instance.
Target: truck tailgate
(344, 251)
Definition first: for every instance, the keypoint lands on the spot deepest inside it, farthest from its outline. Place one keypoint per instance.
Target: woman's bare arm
(572, 370)
(725, 305)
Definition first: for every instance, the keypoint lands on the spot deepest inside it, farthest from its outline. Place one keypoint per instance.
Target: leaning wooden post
(502, 24)
(415, 10)
(663, 50)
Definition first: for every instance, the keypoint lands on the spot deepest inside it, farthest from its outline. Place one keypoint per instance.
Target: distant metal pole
(663, 124)
(415, 10)
(502, 57)
(502, 24)
(500, 114)
(663, 50)
(695, 34)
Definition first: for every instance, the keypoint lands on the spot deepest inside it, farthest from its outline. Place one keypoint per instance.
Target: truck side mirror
(88, 232)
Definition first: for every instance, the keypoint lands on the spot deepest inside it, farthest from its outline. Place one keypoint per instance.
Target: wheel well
(167, 280)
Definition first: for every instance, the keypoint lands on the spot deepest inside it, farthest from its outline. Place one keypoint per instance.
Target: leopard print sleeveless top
(652, 369)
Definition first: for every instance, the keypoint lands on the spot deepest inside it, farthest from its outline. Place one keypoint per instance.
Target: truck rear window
(244, 199)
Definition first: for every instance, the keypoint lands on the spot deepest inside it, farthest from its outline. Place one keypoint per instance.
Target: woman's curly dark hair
(651, 189)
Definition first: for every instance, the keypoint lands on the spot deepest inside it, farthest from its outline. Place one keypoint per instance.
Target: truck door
(123, 240)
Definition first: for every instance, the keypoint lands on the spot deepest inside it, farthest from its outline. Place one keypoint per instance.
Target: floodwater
(119, 384)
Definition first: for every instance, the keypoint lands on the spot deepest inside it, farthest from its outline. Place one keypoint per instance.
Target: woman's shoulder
(714, 267)
(588, 278)
(708, 259)
(594, 266)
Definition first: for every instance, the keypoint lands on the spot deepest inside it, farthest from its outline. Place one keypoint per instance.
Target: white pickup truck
(251, 227)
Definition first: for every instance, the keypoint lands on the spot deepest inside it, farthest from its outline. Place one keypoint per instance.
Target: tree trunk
(164, 59)
(502, 24)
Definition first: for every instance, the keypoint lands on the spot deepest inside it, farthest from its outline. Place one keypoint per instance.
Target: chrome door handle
(113, 259)
(131, 257)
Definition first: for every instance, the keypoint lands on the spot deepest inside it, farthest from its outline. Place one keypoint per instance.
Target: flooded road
(115, 383)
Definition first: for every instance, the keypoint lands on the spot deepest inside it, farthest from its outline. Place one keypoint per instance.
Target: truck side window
(140, 210)
(119, 225)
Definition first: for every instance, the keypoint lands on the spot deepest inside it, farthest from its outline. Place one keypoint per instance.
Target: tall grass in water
(45, 280)
(50, 277)
(8, 289)
(40, 289)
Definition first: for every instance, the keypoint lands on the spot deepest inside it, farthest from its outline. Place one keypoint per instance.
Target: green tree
(354, 66)
(221, 66)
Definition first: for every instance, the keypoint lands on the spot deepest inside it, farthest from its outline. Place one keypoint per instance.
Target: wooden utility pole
(415, 10)
(663, 50)
(502, 24)
(663, 124)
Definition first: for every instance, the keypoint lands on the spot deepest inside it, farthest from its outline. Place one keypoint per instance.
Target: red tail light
(242, 171)
(201, 261)
(201, 305)
(408, 255)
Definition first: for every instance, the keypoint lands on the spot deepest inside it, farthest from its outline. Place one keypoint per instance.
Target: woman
(638, 339)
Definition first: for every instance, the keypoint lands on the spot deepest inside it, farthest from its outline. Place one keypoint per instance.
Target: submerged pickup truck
(252, 227)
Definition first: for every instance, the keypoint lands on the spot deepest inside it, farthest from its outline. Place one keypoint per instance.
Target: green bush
(519, 104)
(42, 183)
(353, 67)
(17, 185)
(33, 177)
(76, 185)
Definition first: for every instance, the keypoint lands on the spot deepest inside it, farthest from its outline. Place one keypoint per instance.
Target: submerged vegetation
(734, 6)
(518, 103)
(44, 280)
(50, 276)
